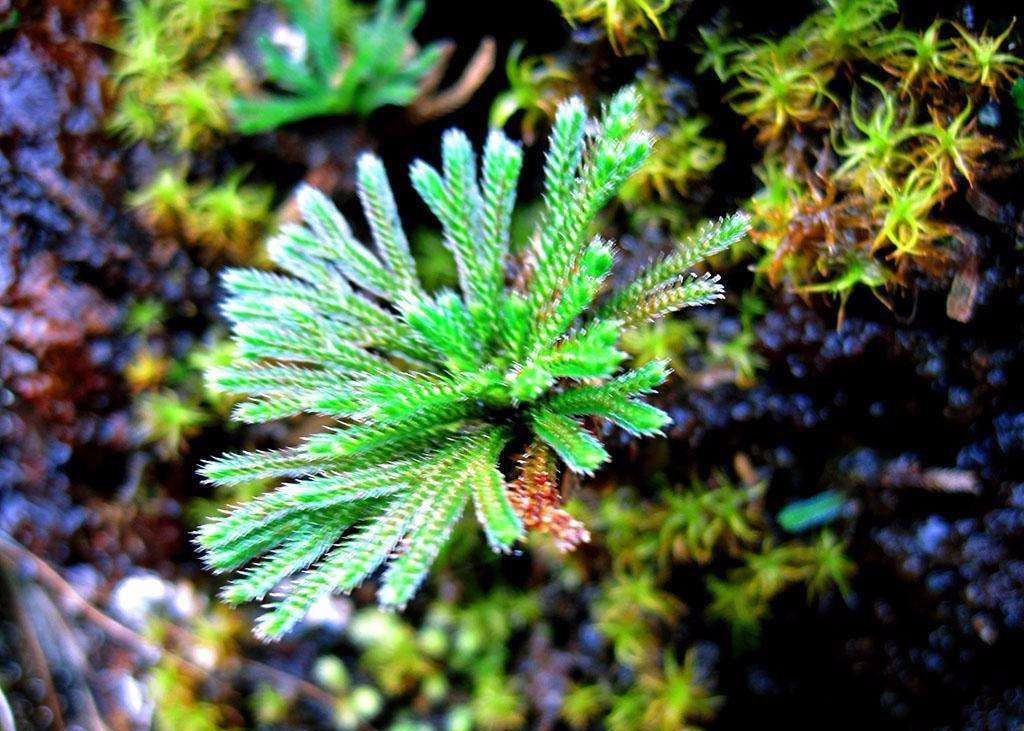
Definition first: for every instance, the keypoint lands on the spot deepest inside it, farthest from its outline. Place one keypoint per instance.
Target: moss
(671, 697)
(376, 63)
(628, 24)
(536, 86)
(858, 164)
(633, 612)
(226, 219)
(744, 597)
(171, 86)
(168, 420)
(178, 703)
(229, 218)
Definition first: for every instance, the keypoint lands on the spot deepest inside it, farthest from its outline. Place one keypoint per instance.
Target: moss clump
(172, 85)
(868, 129)
(537, 84)
(227, 219)
(630, 25)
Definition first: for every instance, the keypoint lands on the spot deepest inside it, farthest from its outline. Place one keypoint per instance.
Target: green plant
(739, 353)
(685, 154)
(226, 219)
(165, 200)
(195, 106)
(667, 339)
(146, 369)
(743, 598)
(628, 529)
(917, 58)
(354, 705)
(145, 316)
(857, 270)
(629, 612)
(978, 60)
(168, 420)
(776, 86)
(673, 697)
(170, 88)
(905, 214)
(392, 652)
(536, 86)
(716, 48)
(583, 704)
(955, 145)
(827, 566)
(424, 385)
(624, 20)
(177, 700)
(497, 704)
(870, 155)
(216, 351)
(376, 68)
(699, 519)
(269, 706)
(842, 30)
(867, 208)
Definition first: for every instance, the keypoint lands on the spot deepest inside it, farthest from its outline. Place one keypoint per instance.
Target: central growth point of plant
(436, 394)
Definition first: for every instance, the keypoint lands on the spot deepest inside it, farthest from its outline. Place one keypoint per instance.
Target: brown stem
(433, 105)
(33, 656)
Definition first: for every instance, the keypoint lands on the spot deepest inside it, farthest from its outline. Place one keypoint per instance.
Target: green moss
(498, 703)
(536, 85)
(671, 697)
(628, 24)
(584, 704)
(227, 220)
(165, 200)
(168, 420)
(171, 87)
(868, 128)
(145, 316)
(980, 60)
(177, 700)
(744, 597)
(633, 612)
(356, 704)
(683, 153)
(702, 522)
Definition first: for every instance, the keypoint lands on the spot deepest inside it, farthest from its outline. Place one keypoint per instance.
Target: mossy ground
(915, 417)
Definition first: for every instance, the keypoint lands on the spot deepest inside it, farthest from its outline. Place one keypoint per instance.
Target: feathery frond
(422, 384)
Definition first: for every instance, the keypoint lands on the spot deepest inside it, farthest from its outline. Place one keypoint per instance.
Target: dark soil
(933, 633)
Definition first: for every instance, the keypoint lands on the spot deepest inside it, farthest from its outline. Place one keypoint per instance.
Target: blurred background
(829, 535)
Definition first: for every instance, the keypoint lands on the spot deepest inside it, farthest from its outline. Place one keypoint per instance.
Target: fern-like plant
(434, 393)
(380, 65)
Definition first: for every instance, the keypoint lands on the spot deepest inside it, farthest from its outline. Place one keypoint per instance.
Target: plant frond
(579, 449)
(382, 214)
(237, 468)
(672, 269)
(355, 260)
(421, 385)
(591, 352)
